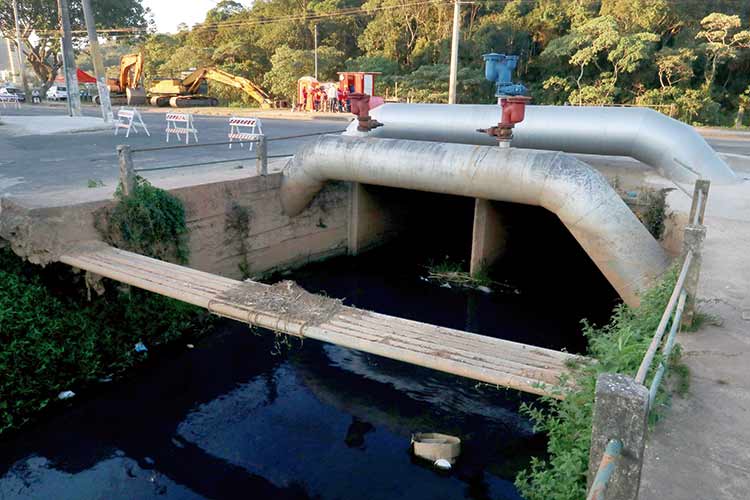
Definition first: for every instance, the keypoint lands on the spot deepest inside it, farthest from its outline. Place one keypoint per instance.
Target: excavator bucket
(136, 96)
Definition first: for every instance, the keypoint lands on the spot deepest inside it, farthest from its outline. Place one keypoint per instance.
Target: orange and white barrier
(179, 124)
(244, 129)
(130, 119)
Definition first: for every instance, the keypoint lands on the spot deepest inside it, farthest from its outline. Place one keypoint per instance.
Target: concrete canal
(245, 414)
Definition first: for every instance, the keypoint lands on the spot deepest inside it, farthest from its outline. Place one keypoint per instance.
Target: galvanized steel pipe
(673, 148)
(586, 204)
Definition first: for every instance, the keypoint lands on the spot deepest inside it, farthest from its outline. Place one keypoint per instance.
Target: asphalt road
(55, 162)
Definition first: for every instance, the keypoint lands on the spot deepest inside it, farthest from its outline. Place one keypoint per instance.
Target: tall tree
(40, 27)
(722, 39)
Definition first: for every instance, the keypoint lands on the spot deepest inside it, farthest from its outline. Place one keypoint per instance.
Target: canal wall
(235, 225)
(237, 229)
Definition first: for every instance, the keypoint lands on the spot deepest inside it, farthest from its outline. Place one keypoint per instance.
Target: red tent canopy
(83, 77)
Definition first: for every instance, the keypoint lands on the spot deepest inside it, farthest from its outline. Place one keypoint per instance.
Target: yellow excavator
(127, 89)
(191, 90)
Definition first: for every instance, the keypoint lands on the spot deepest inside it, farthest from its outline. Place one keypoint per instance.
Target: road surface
(73, 160)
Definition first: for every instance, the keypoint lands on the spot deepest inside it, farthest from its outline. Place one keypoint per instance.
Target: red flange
(513, 111)
(360, 106)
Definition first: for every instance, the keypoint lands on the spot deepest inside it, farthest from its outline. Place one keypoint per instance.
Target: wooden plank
(478, 357)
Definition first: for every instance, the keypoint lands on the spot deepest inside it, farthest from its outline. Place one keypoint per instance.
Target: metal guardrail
(125, 155)
(681, 301)
(606, 468)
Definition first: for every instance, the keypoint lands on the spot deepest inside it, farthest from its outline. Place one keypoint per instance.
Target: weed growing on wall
(52, 339)
(617, 347)
(150, 222)
(237, 228)
(654, 211)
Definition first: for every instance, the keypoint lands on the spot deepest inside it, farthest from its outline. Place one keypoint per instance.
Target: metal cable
(152, 169)
(226, 143)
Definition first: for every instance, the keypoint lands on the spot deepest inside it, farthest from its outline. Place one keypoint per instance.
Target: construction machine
(191, 90)
(127, 89)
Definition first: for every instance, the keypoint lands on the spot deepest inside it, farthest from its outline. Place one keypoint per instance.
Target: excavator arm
(131, 70)
(193, 81)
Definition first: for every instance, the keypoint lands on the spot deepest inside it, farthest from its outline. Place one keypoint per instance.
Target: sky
(169, 13)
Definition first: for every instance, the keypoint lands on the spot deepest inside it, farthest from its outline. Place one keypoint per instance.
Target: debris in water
(435, 447)
(141, 347)
(105, 380)
(445, 285)
(66, 395)
(190, 346)
(442, 463)
(484, 289)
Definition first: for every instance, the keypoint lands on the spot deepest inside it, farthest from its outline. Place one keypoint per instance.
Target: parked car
(15, 91)
(57, 93)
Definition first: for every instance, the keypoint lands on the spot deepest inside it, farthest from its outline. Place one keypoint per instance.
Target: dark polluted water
(244, 416)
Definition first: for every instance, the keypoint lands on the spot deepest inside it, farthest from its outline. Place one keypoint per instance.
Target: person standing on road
(340, 98)
(332, 98)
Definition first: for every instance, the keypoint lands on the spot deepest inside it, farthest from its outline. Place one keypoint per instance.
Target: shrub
(150, 221)
(617, 347)
(52, 339)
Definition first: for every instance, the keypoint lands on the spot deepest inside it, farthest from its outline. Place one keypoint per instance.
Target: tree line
(688, 58)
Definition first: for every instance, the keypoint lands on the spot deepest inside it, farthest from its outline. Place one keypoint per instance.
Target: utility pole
(11, 59)
(69, 62)
(454, 52)
(316, 51)
(96, 57)
(19, 47)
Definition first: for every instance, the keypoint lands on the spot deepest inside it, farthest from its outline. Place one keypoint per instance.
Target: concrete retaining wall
(39, 228)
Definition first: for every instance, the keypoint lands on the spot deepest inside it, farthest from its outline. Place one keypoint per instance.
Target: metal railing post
(127, 175)
(700, 196)
(620, 413)
(693, 242)
(261, 156)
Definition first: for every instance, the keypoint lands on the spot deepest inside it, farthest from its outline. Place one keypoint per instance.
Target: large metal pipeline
(673, 148)
(603, 225)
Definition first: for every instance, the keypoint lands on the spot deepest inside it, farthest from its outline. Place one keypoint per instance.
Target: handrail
(651, 352)
(683, 292)
(606, 467)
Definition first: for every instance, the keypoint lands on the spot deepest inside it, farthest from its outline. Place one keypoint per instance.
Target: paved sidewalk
(701, 448)
(19, 126)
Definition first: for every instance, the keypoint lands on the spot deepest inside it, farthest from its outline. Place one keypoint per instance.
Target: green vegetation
(94, 183)
(689, 59)
(237, 228)
(454, 273)
(53, 339)
(150, 221)
(39, 23)
(653, 210)
(617, 347)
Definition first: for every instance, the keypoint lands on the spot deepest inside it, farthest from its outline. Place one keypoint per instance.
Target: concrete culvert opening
(542, 281)
(579, 196)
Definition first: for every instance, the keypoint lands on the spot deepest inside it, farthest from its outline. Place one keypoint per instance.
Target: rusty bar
(676, 321)
(606, 467)
(651, 352)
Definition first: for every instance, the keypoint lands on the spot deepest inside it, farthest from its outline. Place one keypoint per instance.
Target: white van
(57, 93)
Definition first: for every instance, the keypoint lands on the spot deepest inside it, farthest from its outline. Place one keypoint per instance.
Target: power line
(349, 12)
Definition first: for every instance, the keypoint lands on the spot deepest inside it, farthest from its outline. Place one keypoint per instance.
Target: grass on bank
(53, 339)
(618, 347)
